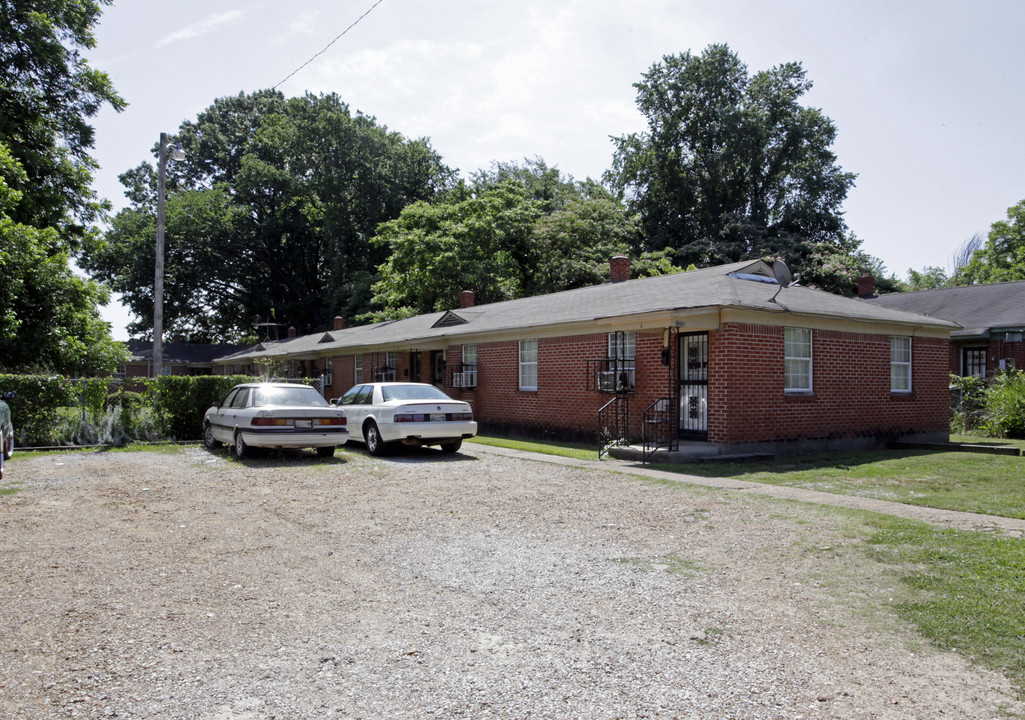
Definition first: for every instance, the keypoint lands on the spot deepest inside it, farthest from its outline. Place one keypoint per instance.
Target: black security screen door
(693, 377)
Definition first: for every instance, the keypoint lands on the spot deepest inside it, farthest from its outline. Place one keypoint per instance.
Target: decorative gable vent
(450, 319)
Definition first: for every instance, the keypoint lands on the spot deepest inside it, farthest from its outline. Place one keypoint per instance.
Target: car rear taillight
(410, 417)
(271, 422)
(331, 421)
(462, 417)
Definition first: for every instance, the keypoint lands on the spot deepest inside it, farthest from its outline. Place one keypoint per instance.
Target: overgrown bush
(181, 401)
(994, 407)
(36, 410)
(54, 411)
(1005, 405)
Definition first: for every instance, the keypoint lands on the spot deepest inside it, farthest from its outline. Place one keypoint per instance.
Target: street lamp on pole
(158, 278)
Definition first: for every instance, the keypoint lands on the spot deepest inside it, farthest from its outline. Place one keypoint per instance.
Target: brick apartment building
(725, 354)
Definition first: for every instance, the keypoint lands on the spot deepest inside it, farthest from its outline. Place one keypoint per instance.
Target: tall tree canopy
(732, 166)
(49, 317)
(513, 231)
(269, 217)
(1002, 257)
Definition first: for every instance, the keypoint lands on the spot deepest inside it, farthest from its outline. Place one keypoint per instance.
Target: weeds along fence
(58, 411)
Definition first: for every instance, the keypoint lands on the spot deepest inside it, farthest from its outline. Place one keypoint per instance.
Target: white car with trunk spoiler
(410, 413)
(275, 415)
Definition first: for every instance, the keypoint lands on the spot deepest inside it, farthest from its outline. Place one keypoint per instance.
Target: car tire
(209, 440)
(372, 438)
(240, 447)
(451, 447)
(326, 452)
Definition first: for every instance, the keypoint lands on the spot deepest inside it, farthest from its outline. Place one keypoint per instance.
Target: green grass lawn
(975, 482)
(963, 590)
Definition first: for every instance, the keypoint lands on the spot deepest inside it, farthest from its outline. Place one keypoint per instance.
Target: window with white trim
(528, 364)
(797, 370)
(900, 364)
(357, 374)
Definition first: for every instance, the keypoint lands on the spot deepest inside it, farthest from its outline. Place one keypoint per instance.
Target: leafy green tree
(269, 217)
(438, 250)
(513, 231)
(928, 278)
(1002, 257)
(49, 317)
(732, 166)
(47, 94)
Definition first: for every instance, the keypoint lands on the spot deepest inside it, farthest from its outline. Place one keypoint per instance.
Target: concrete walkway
(934, 516)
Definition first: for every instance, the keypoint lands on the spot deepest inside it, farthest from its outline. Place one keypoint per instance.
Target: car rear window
(412, 392)
(288, 396)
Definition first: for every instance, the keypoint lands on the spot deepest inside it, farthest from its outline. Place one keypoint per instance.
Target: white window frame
(900, 364)
(798, 344)
(528, 365)
(470, 354)
(627, 350)
(357, 369)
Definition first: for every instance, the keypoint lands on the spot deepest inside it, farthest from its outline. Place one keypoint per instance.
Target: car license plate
(303, 424)
(437, 417)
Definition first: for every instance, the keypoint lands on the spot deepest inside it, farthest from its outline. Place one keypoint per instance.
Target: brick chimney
(619, 268)
(292, 333)
(866, 286)
(339, 323)
(466, 299)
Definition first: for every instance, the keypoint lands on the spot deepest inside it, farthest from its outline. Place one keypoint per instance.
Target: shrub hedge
(176, 402)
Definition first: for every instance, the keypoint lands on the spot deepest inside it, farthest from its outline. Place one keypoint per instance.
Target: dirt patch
(147, 585)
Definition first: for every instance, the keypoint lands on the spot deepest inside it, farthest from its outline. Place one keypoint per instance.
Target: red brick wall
(997, 349)
(850, 387)
(562, 400)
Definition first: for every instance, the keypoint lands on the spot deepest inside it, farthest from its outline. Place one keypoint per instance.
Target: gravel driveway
(185, 585)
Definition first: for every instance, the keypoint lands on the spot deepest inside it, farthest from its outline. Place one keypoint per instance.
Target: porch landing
(688, 452)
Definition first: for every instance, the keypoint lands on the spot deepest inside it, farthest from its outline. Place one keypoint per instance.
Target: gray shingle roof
(708, 288)
(978, 309)
(187, 353)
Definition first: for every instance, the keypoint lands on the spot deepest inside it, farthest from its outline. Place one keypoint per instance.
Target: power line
(329, 44)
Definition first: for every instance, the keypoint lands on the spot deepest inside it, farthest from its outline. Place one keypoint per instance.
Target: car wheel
(372, 437)
(209, 440)
(241, 449)
(326, 452)
(452, 446)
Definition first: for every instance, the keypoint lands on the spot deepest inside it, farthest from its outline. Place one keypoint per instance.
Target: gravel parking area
(422, 585)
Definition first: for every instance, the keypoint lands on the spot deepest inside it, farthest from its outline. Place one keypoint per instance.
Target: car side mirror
(215, 404)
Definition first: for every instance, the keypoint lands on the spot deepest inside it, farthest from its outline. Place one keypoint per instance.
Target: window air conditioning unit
(613, 381)
(466, 379)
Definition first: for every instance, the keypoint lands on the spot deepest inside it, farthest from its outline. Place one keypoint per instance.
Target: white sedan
(275, 415)
(410, 413)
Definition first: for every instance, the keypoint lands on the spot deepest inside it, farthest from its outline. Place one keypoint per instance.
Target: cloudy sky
(928, 95)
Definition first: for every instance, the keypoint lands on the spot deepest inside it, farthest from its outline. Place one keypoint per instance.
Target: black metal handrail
(657, 427)
(613, 424)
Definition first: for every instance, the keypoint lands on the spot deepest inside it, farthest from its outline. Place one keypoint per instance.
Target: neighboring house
(724, 354)
(992, 320)
(179, 358)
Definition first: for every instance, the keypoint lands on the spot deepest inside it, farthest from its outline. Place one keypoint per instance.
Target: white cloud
(196, 29)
